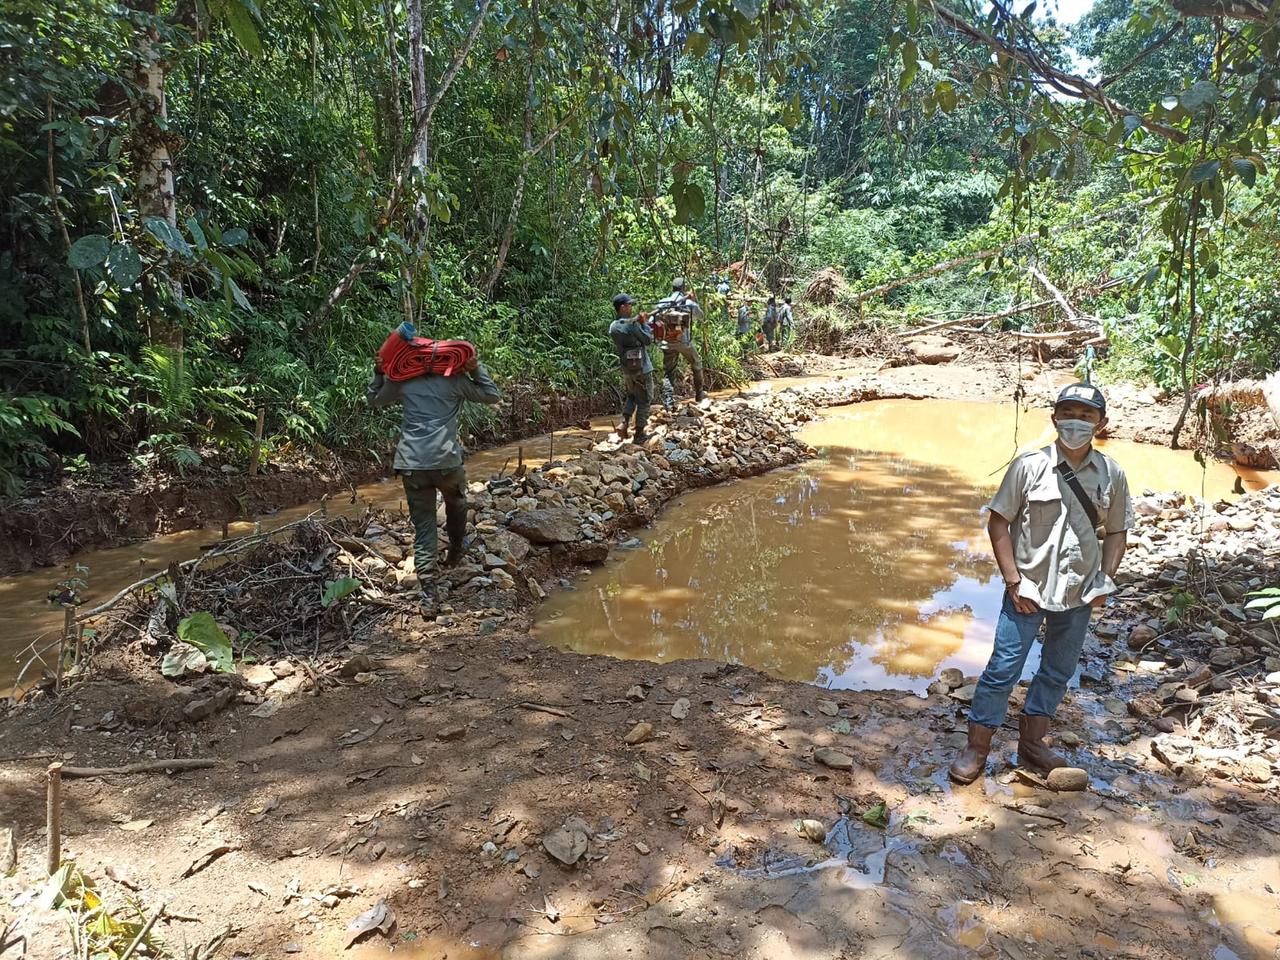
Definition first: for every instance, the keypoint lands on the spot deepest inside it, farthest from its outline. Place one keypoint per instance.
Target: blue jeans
(1015, 632)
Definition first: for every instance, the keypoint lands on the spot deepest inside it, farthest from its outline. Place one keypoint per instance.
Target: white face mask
(1075, 434)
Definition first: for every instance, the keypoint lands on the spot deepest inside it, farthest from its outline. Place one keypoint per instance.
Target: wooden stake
(226, 529)
(68, 630)
(53, 818)
(256, 457)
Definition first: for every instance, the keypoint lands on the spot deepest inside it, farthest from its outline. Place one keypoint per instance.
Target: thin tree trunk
(153, 164)
(420, 130)
(526, 141)
(395, 119)
(55, 198)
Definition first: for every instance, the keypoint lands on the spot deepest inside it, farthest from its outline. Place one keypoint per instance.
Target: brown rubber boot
(1032, 753)
(972, 761)
(624, 431)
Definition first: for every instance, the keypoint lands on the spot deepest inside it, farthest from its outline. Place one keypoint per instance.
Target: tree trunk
(504, 246)
(420, 149)
(152, 162)
(421, 131)
(395, 119)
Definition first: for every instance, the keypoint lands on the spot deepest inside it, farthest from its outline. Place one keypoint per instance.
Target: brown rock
(829, 757)
(551, 525)
(1070, 779)
(450, 734)
(641, 732)
(1140, 636)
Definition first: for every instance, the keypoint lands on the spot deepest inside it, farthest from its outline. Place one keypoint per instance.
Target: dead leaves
(208, 857)
(379, 917)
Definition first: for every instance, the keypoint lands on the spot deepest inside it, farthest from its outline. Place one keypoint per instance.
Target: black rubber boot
(698, 393)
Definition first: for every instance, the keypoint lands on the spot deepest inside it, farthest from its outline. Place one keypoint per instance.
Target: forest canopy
(215, 207)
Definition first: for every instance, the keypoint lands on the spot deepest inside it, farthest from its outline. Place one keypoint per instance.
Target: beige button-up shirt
(1056, 549)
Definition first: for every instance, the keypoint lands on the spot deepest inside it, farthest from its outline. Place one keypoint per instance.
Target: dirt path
(422, 764)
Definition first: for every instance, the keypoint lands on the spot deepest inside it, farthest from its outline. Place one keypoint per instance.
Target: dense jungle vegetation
(212, 207)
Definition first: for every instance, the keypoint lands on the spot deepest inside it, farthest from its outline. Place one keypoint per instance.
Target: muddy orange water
(962, 442)
(868, 568)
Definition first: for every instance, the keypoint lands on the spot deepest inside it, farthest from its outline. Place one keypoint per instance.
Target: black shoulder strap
(1077, 488)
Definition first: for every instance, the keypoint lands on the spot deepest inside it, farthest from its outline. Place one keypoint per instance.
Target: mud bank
(501, 798)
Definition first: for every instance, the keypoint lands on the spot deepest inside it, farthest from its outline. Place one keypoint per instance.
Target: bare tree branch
(396, 197)
(1065, 83)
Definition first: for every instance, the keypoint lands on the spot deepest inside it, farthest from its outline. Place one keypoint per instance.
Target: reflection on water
(912, 586)
(846, 572)
(867, 568)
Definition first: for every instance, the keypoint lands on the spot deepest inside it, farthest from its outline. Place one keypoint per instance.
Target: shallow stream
(868, 568)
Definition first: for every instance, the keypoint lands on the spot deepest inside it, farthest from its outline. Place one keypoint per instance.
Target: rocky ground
(448, 787)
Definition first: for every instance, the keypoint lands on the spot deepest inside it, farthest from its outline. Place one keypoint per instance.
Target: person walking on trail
(1058, 528)
(631, 338)
(743, 329)
(770, 323)
(677, 312)
(429, 456)
(785, 321)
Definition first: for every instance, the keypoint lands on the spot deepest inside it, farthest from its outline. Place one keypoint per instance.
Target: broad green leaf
(124, 264)
(235, 237)
(193, 228)
(1245, 170)
(239, 18)
(237, 296)
(1198, 96)
(168, 235)
(1272, 614)
(89, 251)
(335, 590)
(1262, 603)
(748, 8)
(945, 93)
(689, 201)
(877, 816)
(202, 632)
(1205, 171)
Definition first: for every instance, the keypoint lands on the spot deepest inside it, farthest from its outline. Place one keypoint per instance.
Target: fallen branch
(235, 546)
(998, 249)
(1074, 318)
(142, 934)
(146, 766)
(543, 708)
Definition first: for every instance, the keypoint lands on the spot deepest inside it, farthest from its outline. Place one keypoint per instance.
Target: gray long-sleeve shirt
(432, 405)
(629, 334)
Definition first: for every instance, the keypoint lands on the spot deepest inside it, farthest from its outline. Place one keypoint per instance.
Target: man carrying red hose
(432, 378)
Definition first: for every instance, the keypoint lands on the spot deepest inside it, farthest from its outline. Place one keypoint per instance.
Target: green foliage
(201, 631)
(335, 590)
(1267, 600)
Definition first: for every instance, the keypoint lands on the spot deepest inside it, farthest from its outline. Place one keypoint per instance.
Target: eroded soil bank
(436, 765)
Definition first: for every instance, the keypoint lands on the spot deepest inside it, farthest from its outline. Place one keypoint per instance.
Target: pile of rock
(1185, 587)
(569, 511)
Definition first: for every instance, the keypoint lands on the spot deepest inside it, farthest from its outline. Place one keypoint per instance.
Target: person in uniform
(678, 311)
(743, 329)
(429, 457)
(631, 339)
(785, 321)
(770, 323)
(1058, 529)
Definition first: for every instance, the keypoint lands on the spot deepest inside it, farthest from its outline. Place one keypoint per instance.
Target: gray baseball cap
(1085, 393)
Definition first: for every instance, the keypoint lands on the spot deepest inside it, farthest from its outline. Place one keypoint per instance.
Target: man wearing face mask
(1058, 528)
